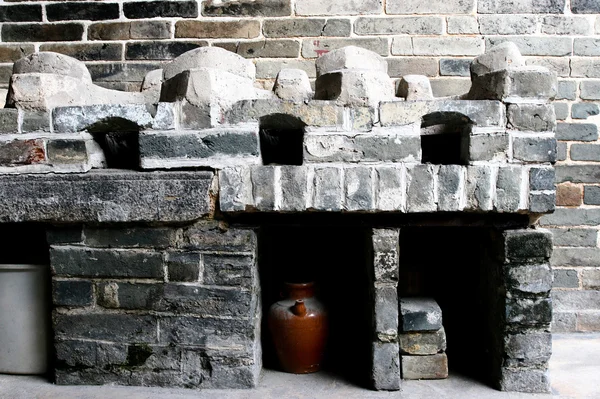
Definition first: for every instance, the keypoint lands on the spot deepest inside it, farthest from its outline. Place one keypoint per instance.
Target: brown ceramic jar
(298, 325)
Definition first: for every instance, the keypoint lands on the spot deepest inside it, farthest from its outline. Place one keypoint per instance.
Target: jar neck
(299, 290)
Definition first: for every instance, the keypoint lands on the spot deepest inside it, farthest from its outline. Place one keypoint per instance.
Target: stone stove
(155, 268)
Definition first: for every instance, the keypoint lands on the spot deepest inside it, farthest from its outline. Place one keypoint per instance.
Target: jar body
(298, 326)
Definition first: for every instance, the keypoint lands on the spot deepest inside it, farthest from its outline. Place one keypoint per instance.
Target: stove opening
(281, 140)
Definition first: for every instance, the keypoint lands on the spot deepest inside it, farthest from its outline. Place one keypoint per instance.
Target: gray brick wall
(121, 41)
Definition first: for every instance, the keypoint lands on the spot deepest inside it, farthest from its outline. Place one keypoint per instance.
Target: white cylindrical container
(24, 316)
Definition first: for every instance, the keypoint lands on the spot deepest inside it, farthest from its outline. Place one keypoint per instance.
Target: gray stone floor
(574, 370)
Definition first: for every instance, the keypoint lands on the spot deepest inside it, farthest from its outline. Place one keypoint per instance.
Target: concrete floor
(574, 370)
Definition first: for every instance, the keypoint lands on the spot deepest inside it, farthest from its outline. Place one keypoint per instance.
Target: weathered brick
(536, 45)
(13, 52)
(575, 257)
(575, 237)
(562, 112)
(507, 24)
(35, 122)
(328, 189)
(542, 202)
(132, 237)
(42, 32)
(541, 178)
(561, 151)
(107, 327)
(337, 27)
(521, 7)
(585, 67)
(560, 65)
(420, 189)
(575, 300)
(245, 29)
(385, 366)
(585, 7)
(564, 322)
(66, 151)
(566, 25)
(206, 331)
(444, 87)
(68, 11)
(432, 7)
(183, 266)
(247, 8)
(568, 194)
(487, 147)
(531, 117)
(399, 26)
(293, 27)
(121, 72)
(71, 293)
(565, 278)
(584, 110)
(577, 131)
(398, 67)
(21, 13)
(154, 50)
(585, 152)
(263, 48)
(529, 279)
(358, 191)
(455, 66)
(588, 321)
(22, 152)
(263, 186)
(424, 367)
(522, 245)
(462, 25)
(591, 195)
(385, 312)
(213, 236)
(572, 217)
(129, 30)
(163, 8)
(268, 69)
(234, 270)
(312, 48)
(340, 7)
(87, 51)
(529, 347)
(590, 90)
(448, 46)
(9, 120)
(422, 343)
(528, 312)
(590, 279)
(567, 90)
(508, 193)
(64, 235)
(85, 262)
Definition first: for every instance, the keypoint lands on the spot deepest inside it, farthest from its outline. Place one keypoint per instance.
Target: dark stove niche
(335, 259)
(445, 138)
(281, 140)
(119, 140)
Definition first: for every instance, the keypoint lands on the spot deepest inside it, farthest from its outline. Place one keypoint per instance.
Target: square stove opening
(335, 258)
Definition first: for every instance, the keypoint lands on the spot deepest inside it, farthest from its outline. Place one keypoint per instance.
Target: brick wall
(121, 41)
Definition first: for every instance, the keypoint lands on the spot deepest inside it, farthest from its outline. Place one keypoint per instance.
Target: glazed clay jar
(298, 325)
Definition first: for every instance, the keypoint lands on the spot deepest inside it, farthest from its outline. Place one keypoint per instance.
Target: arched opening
(119, 140)
(445, 138)
(281, 139)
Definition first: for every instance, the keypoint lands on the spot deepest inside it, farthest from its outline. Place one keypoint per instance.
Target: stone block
(455, 67)
(385, 313)
(448, 45)
(588, 321)
(399, 26)
(268, 69)
(9, 120)
(386, 255)
(531, 117)
(529, 312)
(577, 173)
(498, 57)
(575, 300)
(508, 189)
(587, 67)
(531, 279)
(451, 181)
(507, 24)
(487, 147)
(572, 217)
(577, 131)
(524, 380)
(589, 90)
(133, 237)
(358, 189)
(576, 257)
(585, 152)
(565, 278)
(390, 190)
(566, 90)
(415, 87)
(591, 195)
(64, 235)
(536, 149)
(450, 87)
(435, 7)
(541, 178)
(294, 193)
(568, 194)
(76, 353)
(419, 314)
(106, 327)
(564, 322)
(516, 85)
(71, 293)
(216, 148)
(328, 189)
(430, 367)
(542, 202)
(584, 7)
(263, 187)
(399, 67)
(385, 370)
(229, 270)
(183, 266)
(32, 122)
(354, 87)
(22, 152)
(235, 189)
(422, 343)
(293, 85)
(420, 189)
(536, 45)
(559, 65)
(479, 188)
(575, 237)
(462, 25)
(153, 9)
(342, 7)
(561, 151)
(521, 245)
(242, 29)
(217, 236)
(207, 331)
(67, 151)
(87, 262)
(584, 110)
(590, 279)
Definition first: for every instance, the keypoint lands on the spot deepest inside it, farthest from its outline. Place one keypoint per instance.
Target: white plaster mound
(211, 57)
(293, 85)
(350, 57)
(415, 87)
(502, 56)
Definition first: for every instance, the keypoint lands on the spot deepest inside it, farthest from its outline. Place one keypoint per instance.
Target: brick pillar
(525, 344)
(385, 371)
